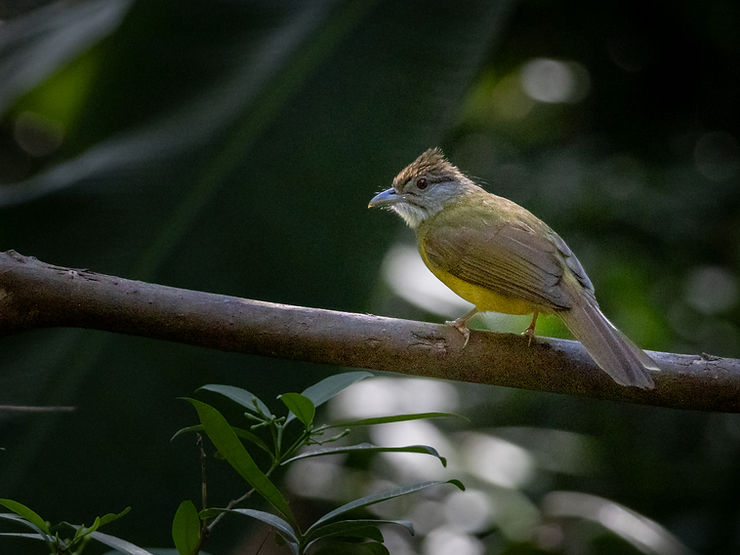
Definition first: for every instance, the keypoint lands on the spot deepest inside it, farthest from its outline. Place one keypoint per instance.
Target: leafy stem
(231, 442)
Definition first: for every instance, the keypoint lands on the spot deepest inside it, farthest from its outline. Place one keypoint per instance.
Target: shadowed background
(232, 147)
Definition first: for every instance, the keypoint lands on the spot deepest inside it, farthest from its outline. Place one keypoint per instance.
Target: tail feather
(624, 361)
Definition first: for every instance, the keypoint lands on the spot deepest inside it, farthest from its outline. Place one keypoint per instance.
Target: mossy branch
(34, 294)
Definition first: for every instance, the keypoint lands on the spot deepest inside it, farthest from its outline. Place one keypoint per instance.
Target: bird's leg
(529, 332)
(461, 325)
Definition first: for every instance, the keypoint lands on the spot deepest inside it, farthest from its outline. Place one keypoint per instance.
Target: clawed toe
(529, 332)
(461, 326)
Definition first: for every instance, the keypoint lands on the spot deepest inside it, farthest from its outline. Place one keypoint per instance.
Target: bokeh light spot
(555, 81)
(711, 289)
(444, 541)
(498, 461)
(408, 277)
(468, 511)
(382, 396)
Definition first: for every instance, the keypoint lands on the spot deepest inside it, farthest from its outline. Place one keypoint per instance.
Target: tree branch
(34, 294)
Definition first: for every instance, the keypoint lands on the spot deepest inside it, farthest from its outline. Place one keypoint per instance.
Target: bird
(502, 258)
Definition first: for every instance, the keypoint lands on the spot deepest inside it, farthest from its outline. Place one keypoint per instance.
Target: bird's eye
(421, 183)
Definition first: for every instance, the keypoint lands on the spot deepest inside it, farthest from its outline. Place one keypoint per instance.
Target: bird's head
(423, 188)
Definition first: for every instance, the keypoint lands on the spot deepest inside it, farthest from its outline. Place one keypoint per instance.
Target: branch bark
(34, 294)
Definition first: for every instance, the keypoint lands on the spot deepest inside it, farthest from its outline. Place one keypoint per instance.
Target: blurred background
(232, 146)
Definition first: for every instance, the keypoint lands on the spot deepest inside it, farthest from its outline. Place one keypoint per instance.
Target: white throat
(412, 214)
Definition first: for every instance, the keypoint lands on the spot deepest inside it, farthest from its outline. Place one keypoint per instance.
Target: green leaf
(40, 534)
(110, 517)
(393, 418)
(26, 513)
(282, 526)
(378, 497)
(188, 429)
(241, 396)
(300, 406)
(361, 528)
(367, 448)
(120, 545)
(228, 444)
(252, 438)
(347, 528)
(367, 532)
(322, 391)
(81, 530)
(186, 528)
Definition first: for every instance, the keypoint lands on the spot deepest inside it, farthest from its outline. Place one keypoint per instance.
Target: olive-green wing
(510, 259)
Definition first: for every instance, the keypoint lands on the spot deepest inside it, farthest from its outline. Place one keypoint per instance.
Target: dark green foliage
(334, 526)
(186, 528)
(191, 527)
(65, 538)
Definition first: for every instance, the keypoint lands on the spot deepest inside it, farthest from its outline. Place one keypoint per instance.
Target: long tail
(624, 361)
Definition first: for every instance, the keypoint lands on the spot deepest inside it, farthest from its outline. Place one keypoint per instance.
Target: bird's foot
(529, 332)
(461, 325)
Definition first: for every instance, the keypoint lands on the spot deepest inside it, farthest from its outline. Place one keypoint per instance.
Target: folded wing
(510, 259)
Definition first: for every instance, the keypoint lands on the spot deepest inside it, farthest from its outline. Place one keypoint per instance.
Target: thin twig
(203, 476)
(230, 505)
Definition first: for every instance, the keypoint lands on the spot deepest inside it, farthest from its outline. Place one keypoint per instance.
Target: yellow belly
(484, 299)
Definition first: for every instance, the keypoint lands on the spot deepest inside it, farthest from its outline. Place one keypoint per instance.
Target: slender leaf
(367, 448)
(366, 532)
(378, 497)
(81, 530)
(322, 391)
(186, 528)
(110, 517)
(26, 513)
(352, 528)
(182, 431)
(240, 432)
(119, 544)
(252, 438)
(24, 535)
(392, 418)
(300, 407)
(228, 444)
(285, 528)
(245, 398)
(345, 527)
(15, 518)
